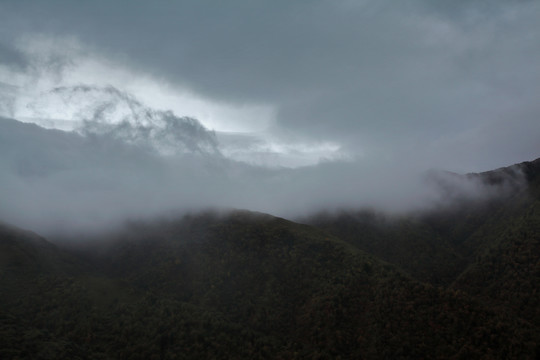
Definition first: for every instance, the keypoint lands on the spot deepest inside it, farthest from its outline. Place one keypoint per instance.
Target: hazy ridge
(459, 282)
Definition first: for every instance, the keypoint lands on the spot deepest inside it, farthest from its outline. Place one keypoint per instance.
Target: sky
(277, 106)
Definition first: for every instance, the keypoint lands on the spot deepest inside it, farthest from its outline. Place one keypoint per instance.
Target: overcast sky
(391, 88)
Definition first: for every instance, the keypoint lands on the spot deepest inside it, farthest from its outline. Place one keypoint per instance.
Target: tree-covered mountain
(489, 247)
(456, 282)
(438, 245)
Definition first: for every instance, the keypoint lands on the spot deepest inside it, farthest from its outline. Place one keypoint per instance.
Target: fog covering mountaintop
(270, 106)
(56, 181)
(459, 282)
(389, 144)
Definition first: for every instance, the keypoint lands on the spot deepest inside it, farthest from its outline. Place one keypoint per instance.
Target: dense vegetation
(460, 283)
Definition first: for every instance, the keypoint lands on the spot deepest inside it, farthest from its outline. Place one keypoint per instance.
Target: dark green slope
(506, 271)
(47, 297)
(407, 242)
(471, 225)
(304, 293)
(24, 252)
(437, 246)
(54, 305)
(247, 285)
(500, 239)
(26, 261)
(488, 248)
(30, 271)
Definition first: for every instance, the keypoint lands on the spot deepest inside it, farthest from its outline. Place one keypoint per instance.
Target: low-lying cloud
(273, 106)
(54, 181)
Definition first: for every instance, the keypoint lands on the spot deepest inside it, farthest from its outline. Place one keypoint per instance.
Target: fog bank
(53, 181)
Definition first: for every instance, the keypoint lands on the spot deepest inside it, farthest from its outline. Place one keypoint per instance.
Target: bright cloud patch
(71, 92)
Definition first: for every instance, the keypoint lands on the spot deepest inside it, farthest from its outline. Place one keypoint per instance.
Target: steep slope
(46, 297)
(240, 286)
(470, 224)
(26, 258)
(438, 245)
(25, 252)
(407, 242)
(307, 293)
(486, 247)
(506, 271)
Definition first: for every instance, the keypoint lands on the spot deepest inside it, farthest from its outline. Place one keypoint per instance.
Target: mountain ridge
(461, 283)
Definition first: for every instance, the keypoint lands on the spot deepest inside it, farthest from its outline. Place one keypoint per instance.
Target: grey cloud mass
(373, 75)
(58, 182)
(398, 87)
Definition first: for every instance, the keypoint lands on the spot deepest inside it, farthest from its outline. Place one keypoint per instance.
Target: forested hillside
(456, 283)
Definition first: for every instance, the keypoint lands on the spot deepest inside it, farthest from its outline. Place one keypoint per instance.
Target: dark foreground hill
(458, 283)
(488, 247)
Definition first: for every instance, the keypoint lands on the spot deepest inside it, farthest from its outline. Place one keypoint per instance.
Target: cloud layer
(63, 182)
(356, 98)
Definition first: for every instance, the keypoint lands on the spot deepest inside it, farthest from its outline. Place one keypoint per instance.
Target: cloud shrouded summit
(361, 91)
